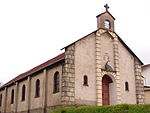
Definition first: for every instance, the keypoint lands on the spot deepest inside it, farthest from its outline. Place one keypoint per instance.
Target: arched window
(23, 92)
(107, 24)
(1, 100)
(56, 82)
(85, 80)
(126, 86)
(37, 88)
(12, 96)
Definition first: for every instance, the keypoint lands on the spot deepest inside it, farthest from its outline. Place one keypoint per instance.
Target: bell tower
(105, 20)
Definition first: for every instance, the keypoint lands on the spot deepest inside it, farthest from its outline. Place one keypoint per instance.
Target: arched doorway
(107, 86)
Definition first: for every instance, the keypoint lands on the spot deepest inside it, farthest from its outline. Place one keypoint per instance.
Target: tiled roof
(37, 68)
(144, 66)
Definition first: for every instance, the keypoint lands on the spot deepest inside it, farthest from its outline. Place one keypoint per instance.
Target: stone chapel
(98, 69)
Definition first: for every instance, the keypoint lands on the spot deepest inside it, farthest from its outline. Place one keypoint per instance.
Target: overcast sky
(33, 31)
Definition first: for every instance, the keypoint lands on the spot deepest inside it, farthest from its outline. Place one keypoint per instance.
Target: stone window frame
(56, 82)
(126, 86)
(85, 80)
(12, 96)
(1, 99)
(37, 88)
(23, 93)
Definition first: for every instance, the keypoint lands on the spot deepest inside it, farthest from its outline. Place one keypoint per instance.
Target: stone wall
(116, 67)
(139, 83)
(98, 67)
(68, 77)
(115, 59)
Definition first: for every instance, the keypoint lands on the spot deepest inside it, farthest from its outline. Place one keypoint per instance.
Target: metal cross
(107, 7)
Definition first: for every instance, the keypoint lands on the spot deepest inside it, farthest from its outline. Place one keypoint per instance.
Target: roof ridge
(108, 13)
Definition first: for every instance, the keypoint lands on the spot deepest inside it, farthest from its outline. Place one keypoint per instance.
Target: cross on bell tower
(107, 7)
(105, 20)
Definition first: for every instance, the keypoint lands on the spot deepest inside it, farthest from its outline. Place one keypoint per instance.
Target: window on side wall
(0, 99)
(12, 96)
(23, 92)
(85, 80)
(37, 88)
(56, 82)
(126, 86)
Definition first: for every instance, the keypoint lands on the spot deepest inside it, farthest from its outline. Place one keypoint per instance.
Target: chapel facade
(98, 69)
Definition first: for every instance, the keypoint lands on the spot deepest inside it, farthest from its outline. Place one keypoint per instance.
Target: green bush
(121, 108)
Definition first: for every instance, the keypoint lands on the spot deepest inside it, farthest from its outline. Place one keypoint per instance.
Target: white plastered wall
(127, 74)
(85, 65)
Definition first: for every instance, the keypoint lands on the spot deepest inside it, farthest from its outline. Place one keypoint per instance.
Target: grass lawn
(121, 108)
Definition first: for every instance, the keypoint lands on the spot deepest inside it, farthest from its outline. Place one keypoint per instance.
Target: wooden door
(105, 90)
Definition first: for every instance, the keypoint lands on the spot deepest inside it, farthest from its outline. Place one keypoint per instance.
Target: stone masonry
(139, 83)
(68, 78)
(116, 66)
(98, 68)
